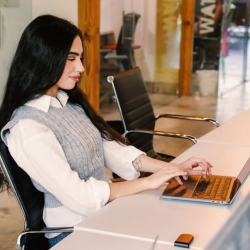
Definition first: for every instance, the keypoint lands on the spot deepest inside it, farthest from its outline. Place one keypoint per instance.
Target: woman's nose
(79, 67)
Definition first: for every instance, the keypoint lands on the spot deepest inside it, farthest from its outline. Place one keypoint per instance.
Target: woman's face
(72, 70)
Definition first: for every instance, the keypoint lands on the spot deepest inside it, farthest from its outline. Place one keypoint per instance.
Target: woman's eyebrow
(73, 53)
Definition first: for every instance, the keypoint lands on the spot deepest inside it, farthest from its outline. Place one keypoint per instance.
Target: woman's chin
(69, 87)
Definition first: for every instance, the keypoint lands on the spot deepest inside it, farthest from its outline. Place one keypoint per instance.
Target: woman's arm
(147, 164)
(152, 182)
(163, 172)
(118, 158)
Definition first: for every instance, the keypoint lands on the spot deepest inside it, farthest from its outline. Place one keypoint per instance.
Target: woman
(54, 135)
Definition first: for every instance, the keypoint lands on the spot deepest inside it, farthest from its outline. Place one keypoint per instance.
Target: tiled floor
(223, 109)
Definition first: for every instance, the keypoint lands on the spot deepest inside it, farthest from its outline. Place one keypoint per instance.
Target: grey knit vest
(80, 140)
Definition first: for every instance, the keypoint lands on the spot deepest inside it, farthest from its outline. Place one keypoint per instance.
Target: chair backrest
(30, 200)
(125, 40)
(135, 108)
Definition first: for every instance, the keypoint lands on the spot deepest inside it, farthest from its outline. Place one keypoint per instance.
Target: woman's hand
(165, 174)
(189, 165)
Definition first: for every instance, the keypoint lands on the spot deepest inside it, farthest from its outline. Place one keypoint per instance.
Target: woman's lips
(74, 78)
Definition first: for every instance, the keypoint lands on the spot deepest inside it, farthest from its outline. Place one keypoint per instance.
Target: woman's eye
(71, 59)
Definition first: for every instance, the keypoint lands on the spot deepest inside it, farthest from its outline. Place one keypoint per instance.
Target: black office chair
(124, 55)
(138, 116)
(31, 203)
(125, 41)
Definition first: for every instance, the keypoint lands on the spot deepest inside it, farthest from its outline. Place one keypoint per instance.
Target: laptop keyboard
(212, 188)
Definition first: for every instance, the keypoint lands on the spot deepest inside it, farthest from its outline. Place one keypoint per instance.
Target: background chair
(31, 203)
(124, 55)
(138, 116)
(126, 38)
(116, 58)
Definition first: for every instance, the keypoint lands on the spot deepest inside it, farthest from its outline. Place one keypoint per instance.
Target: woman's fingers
(192, 163)
(205, 169)
(178, 179)
(196, 172)
(177, 174)
(164, 175)
(170, 173)
(185, 177)
(210, 166)
(206, 166)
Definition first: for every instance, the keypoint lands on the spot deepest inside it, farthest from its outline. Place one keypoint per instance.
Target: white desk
(79, 240)
(133, 222)
(236, 131)
(145, 215)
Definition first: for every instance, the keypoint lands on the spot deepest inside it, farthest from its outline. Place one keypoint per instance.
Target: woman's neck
(52, 91)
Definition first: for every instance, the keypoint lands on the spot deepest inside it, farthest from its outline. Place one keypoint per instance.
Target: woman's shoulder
(29, 117)
(23, 128)
(26, 112)
(28, 127)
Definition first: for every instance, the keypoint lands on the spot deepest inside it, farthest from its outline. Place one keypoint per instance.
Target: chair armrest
(105, 51)
(113, 56)
(192, 118)
(161, 133)
(21, 240)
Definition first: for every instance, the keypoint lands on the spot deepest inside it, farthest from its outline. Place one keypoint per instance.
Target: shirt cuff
(101, 192)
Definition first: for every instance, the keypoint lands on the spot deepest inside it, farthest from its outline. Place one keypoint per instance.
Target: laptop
(212, 189)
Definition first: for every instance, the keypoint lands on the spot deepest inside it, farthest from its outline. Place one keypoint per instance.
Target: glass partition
(206, 47)
(220, 45)
(234, 45)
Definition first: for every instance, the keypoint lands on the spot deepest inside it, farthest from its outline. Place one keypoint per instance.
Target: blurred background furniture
(115, 58)
(206, 53)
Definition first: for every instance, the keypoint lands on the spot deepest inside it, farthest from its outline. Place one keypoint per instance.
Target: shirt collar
(45, 101)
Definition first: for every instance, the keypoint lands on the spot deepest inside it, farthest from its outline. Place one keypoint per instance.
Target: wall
(67, 9)
(13, 21)
(148, 45)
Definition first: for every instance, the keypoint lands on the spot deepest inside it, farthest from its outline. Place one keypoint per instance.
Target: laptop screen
(244, 172)
(240, 180)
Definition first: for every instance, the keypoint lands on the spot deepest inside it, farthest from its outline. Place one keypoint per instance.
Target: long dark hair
(38, 64)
